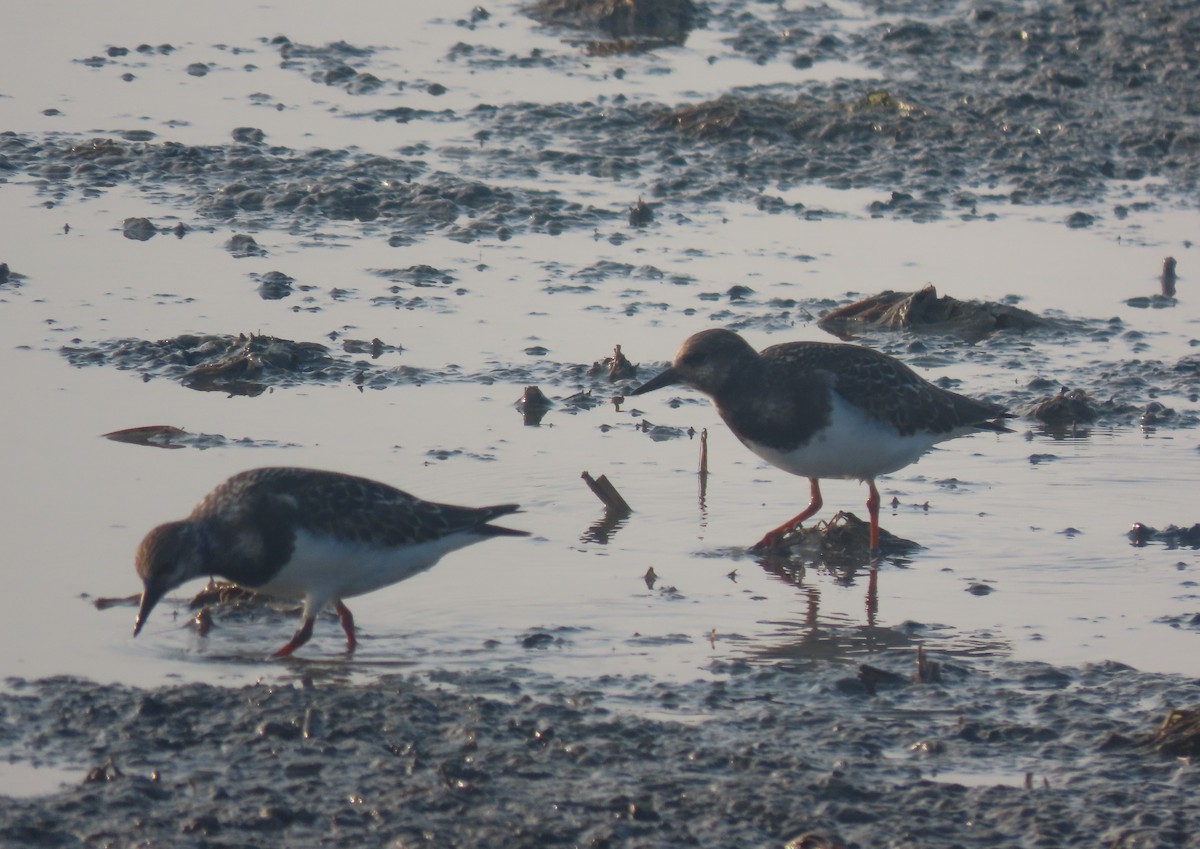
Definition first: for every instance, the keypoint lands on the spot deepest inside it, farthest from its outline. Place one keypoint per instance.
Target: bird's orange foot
(298, 639)
(772, 541)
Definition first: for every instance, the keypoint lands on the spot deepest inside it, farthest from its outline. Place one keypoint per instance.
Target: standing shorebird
(313, 536)
(824, 410)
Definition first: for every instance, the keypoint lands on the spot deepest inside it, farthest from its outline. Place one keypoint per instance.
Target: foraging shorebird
(312, 536)
(824, 410)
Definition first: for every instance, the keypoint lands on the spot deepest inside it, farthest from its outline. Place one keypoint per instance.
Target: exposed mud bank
(994, 755)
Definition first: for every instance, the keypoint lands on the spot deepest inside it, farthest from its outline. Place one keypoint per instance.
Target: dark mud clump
(239, 365)
(669, 20)
(533, 405)
(925, 311)
(1069, 407)
(843, 539)
(138, 229)
(274, 285)
(1179, 734)
(171, 437)
(629, 26)
(9, 278)
(249, 365)
(1171, 536)
(999, 755)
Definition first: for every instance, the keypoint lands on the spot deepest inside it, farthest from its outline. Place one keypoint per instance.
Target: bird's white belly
(854, 446)
(324, 568)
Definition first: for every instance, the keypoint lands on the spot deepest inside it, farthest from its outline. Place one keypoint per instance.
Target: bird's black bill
(666, 378)
(500, 531)
(150, 598)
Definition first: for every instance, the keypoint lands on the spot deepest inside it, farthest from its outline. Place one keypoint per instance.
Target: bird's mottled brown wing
(346, 506)
(883, 387)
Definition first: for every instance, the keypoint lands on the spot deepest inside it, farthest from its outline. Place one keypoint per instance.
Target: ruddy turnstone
(313, 536)
(824, 410)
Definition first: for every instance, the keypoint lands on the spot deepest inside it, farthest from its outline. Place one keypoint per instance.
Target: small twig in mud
(125, 601)
(928, 671)
(1167, 279)
(704, 453)
(607, 493)
(621, 368)
(618, 366)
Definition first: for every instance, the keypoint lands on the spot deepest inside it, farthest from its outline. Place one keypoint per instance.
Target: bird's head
(706, 361)
(169, 555)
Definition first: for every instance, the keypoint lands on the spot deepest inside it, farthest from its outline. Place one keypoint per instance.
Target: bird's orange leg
(873, 511)
(347, 620)
(298, 639)
(775, 537)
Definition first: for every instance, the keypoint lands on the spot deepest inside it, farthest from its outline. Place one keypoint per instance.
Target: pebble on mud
(641, 214)
(1156, 413)
(534, 405)
(274, 285)
(248, 135)
(242, 246)
(1068, 407)
(138, 229)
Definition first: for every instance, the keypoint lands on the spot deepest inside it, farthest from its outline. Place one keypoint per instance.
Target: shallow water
(1038, 518)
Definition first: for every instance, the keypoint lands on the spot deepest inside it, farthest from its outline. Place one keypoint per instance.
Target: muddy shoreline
(996, 754)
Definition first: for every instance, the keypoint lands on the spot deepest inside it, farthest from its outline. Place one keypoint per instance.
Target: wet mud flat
(967, 117)
(964, 115)
(989, 754)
